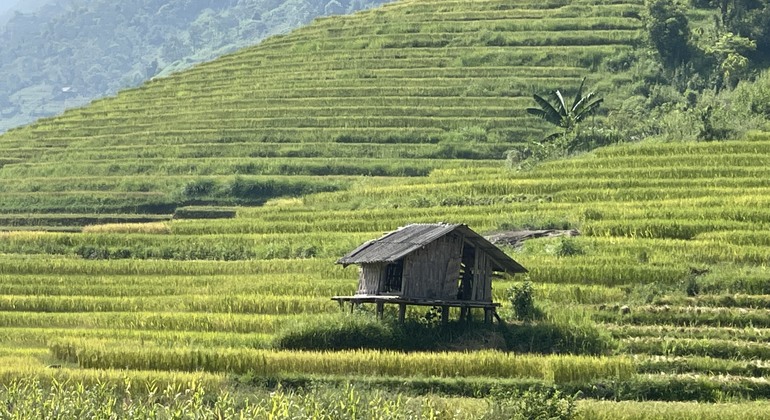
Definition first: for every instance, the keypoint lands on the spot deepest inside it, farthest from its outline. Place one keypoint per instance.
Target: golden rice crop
(560, 369)
(157, 228)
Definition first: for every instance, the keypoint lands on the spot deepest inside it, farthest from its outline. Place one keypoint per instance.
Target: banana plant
(562, 115)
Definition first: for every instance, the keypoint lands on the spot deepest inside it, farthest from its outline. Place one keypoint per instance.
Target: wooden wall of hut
(371, 278)
(482, 278)
(433, 271)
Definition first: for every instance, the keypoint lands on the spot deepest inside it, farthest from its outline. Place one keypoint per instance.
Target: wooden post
(380, 309)
(487, 315)
(445, 314)
(342, 305)
(497, 317)
(401, 312)
(352, 306)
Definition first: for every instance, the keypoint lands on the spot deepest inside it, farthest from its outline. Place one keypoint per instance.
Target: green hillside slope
(358, 125)
(451, 79)
(63, 54)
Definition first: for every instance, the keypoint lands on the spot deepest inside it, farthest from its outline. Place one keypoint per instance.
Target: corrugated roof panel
(397, 244)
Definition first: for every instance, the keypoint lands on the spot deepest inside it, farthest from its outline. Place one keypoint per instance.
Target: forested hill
(68, 53)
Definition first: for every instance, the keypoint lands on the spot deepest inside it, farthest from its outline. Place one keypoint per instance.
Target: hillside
(448, 79)
(62, 54)
(329, 136)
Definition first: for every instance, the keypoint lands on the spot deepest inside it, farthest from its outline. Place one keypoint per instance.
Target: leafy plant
(559, 113)
(669, 31)
(523, 301)
(533, 404)
(567, 247)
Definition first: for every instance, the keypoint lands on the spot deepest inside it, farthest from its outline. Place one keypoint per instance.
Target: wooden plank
(476, 276)
(445, 314)
(488, 281)
(401, 312)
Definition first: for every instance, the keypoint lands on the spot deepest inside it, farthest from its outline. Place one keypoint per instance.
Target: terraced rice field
(352, 127)
(168, 300)
(393, 92)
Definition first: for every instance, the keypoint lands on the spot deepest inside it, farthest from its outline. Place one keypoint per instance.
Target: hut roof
(405, 240)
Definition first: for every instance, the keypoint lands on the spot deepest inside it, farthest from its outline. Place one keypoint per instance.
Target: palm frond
(562, 105)
(588, 109)
(579, 95)
(549, 113)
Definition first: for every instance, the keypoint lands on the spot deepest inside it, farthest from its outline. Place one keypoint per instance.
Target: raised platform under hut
(490, 308)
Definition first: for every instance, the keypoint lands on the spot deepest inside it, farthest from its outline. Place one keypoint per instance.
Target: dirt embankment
(516, 238)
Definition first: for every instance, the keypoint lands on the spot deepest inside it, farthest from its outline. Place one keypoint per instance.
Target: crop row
(489, 37)
(704, 348)
(559, 369)
(75, 219)
(721, 333)
(689, 317)
(499, 25)
(36, 338)
(445, 150)
(236, 304)
(239, 166)
(125, 109)
(220, 247)
(66, 266)
(281, 284)
(151, 321)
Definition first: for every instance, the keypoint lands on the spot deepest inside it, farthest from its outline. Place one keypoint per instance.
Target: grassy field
(296, 151)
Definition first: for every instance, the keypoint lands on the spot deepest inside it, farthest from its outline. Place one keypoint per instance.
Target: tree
(561, 115)
(749, 19)
(730, 52)
(669, 31)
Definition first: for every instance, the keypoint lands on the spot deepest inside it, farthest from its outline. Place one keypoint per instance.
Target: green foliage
(561, 114)
(339, 332)
(533, 405)
(748, 19)
(731, 52)
(204, 212)
(568, 247)
(106, 48)
(522, 300)
(668, 28)
(241, 190)
(555, 337)
(363, 331)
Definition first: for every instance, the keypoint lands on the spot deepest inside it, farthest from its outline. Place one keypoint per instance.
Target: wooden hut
(443, 265)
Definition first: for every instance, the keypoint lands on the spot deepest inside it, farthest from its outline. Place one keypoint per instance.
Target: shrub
(532, 404)
(364, 331)
(567, 247)
(522, 300)
(337, 332)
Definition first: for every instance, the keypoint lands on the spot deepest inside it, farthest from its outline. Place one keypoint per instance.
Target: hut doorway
(394, 277)
(465, 287)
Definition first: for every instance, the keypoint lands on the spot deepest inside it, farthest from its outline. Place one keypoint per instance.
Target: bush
(532, 404)
(522, 300)
(338, 332)
(364, 331)
(557, 338)
(567, 247)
